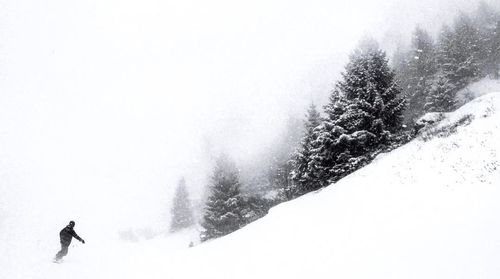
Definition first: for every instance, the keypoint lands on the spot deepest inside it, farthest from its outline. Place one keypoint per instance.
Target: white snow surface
(429, 209)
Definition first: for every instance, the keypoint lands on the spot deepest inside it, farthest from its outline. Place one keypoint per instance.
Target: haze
(104, 105)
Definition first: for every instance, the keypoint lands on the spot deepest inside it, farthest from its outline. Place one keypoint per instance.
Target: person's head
(71, 224)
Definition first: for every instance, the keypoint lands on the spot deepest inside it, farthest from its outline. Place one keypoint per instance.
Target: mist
(105, 105)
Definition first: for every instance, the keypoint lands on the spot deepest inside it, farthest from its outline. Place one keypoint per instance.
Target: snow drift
(426, 210)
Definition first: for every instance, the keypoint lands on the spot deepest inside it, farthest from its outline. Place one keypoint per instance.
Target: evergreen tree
(400, 63)
(223, 210)
(182, 215)
(421, 68)
(327, 148)
(303, 176)
(372, 95)
(364, 113)
(441, 96)
(486, 21)
(460, 53)
(464, 53)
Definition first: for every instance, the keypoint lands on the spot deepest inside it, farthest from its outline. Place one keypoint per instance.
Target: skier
(66, 235)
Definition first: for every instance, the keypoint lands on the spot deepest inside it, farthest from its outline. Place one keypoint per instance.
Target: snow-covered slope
(429, 209)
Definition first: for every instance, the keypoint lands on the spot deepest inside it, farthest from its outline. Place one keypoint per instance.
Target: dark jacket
(67, 235)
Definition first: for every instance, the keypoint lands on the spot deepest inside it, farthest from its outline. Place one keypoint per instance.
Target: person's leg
(63, 252)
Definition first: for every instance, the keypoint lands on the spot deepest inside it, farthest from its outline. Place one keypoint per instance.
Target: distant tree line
(431, 73)
(370, 110)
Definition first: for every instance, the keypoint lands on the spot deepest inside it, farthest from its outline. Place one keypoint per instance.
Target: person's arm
(73, 233)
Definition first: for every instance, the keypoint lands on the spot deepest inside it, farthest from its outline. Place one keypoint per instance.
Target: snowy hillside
(426, 210)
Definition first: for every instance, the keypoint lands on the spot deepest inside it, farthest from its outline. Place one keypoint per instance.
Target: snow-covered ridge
(447, 123)
(426, 210)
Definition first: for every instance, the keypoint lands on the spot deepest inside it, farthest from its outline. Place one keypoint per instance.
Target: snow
(426, 210)
(478, 89)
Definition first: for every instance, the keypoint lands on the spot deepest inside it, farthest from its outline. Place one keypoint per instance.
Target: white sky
(105, 104)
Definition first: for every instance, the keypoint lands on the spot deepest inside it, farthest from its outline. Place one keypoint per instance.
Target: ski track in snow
(426, 210)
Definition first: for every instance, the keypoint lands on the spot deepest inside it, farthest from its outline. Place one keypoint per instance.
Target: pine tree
(182, 215)
(371, 93)
(460, 52)
(223, 210)
(365, 112)
(303, 176)
(487, 22)
(421, 69)
(441, 96)
(399, 62)
(325, 149)
(445, 46)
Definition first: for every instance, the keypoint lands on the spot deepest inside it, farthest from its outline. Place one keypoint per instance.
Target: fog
(105, 104)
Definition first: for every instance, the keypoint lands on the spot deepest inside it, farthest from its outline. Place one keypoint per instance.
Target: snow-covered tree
(459, 54)
(365, 112)
(303, 175)
(400, 63)
(441, 97)
(421, 68)
(326, 149)
(225, 205)
(182, 214)
(487, 22)
(464, 53)
(371, 92)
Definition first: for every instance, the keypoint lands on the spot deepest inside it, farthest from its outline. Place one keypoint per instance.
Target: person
(66, 235)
